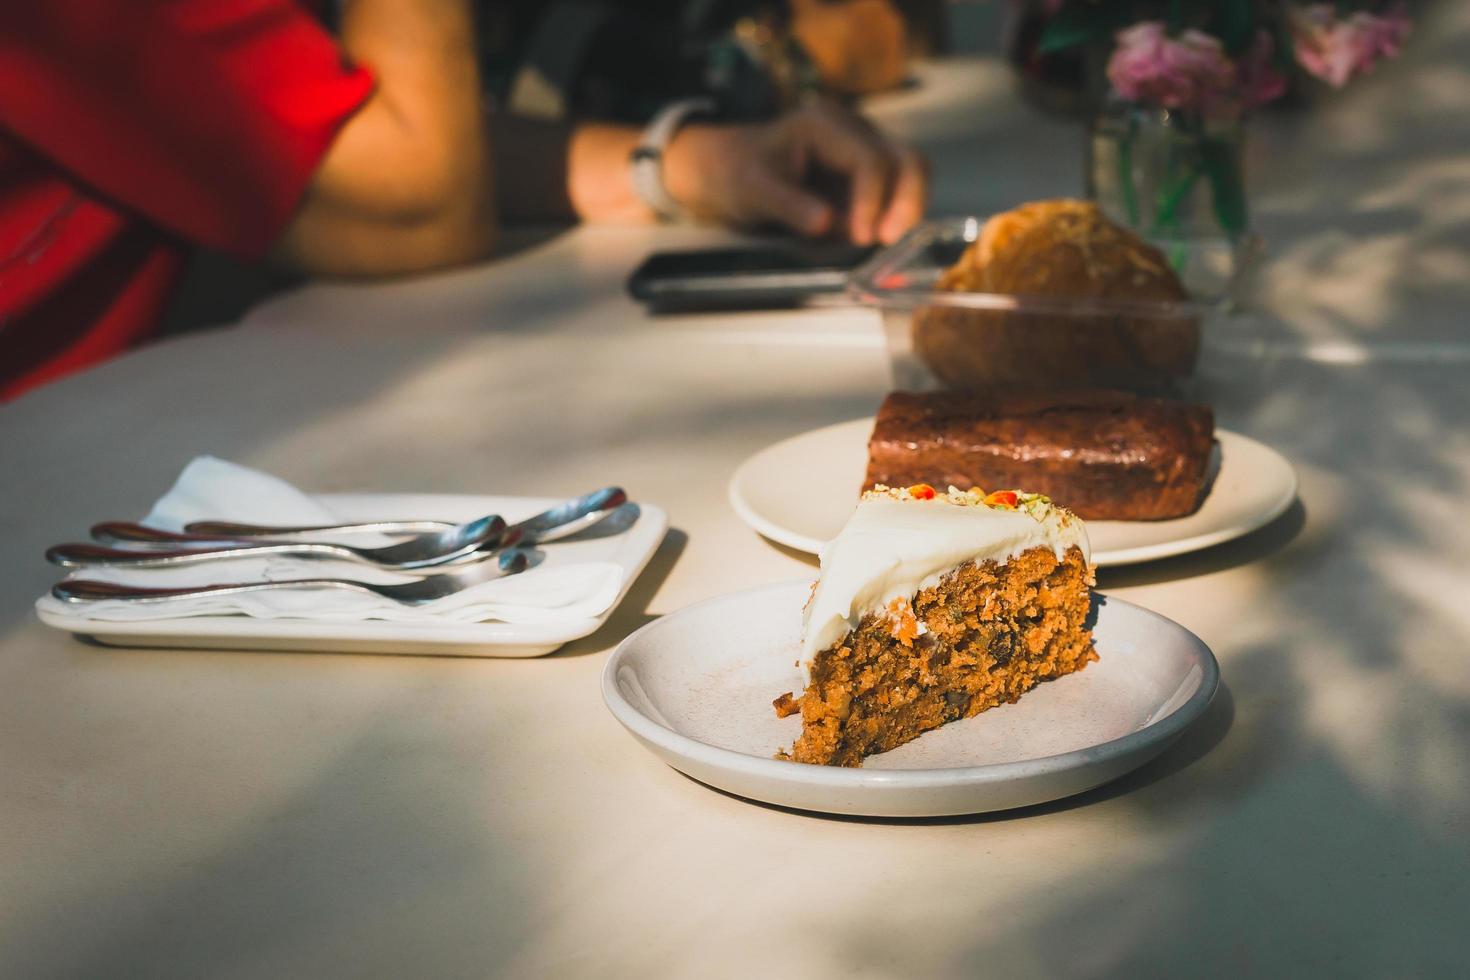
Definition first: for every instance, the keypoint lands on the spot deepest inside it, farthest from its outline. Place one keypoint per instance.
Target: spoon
(439, 548)
(414, 593)
(559, 522)
(462, 542)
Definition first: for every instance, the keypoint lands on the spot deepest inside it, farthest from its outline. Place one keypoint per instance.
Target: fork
(460, 541)
(414, 593)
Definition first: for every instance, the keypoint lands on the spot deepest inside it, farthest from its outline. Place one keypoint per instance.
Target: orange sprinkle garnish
(902, 622)
(921, 491)
(1002, 498)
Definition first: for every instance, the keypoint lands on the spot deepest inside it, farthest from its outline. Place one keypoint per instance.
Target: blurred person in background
(623, 59)
(133, 131)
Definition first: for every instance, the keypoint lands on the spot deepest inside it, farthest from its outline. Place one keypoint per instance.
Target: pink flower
(1337, 50)
(1190, 72)
(1260, 81)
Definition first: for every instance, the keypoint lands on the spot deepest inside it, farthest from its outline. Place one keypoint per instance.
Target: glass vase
(1168, 174)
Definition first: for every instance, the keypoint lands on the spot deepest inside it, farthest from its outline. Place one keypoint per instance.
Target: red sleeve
(206, 116)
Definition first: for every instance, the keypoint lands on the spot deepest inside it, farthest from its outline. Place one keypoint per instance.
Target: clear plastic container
(948, 339)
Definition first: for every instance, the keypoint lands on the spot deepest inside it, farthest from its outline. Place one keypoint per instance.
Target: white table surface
(241, 814)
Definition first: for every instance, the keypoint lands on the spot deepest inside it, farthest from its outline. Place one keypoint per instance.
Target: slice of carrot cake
(932, 607)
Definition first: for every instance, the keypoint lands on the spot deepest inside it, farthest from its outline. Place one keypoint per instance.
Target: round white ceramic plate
(696, 688)
(1253, 484)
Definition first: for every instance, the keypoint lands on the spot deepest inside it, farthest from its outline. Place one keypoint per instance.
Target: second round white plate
(801, 491)
(695, 687)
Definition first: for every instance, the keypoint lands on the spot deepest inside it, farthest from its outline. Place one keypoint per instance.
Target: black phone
(745, 277)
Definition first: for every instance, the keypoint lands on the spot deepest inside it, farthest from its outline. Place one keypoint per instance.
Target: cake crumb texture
(985, 634)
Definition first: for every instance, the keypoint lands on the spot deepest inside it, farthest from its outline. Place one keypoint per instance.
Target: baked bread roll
(1059, 250)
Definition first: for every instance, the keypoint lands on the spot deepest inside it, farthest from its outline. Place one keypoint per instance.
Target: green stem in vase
(1163, 181)
(1180, 173)
(1227, 190)
(1125, 176)
(1167, 218)
(1183, 170)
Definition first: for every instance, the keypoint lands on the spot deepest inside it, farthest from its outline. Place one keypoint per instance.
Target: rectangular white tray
(631, 550)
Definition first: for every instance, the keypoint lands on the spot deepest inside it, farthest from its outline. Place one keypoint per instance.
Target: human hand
(750, 174)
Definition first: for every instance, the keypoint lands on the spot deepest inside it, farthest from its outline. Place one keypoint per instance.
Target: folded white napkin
(213, 489)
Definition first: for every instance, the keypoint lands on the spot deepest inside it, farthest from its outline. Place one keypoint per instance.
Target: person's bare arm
(408, 184)
(411, 184)
(739, 174)
(551, 170)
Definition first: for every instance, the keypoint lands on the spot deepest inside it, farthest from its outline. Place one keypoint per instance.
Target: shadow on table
(341, 857)
(1259, 851)
(790, 552)
(1248, 549)
(632, 613)
(217, 289)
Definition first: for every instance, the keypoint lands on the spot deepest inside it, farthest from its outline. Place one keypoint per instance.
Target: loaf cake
(1105, 455)
(932, 607)
(1095, 305)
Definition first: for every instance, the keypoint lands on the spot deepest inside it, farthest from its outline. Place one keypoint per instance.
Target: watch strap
(647, 159)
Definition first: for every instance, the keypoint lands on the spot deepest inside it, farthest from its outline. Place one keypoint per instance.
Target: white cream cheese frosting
(899, 541)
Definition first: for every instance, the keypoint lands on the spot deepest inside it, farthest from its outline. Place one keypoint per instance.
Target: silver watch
(647, 159)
